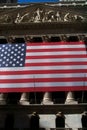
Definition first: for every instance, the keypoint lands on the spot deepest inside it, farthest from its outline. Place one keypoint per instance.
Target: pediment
(41, 13)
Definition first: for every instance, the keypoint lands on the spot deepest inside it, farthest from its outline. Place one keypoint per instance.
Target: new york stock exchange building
(43, 65)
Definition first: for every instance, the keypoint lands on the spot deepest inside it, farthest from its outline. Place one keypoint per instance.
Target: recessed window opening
(3, 41)
(85, 40)
(37, 39)
(55, 39)
(72, 39)
(19, 40)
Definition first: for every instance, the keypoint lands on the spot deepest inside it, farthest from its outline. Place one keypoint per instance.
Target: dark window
(19, 40)
(55, 39)
(3, 41)
(72, 39)
(37, 39)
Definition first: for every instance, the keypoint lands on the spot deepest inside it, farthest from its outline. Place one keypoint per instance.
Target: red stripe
(72, 79)
(56, 64)
(56, 56)
(43, 72)
(54, 43)
(55, 50)
(43, 89)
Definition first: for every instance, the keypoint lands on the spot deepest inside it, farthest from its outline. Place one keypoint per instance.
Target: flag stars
(9, 50)
(7, 59)
(16, 50)
(6, 64)
(8, 54)
(14, 59)
(12, 52)
(2, 50)
(21, 59)
(22, 54)
(4, 57)
(21, 64)
(1, 55)
(0, 60)
(5, 52)
(19, 52)
(13, 64)
(12, 55)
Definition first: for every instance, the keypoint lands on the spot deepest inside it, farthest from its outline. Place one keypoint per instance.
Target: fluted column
(24, 100)
(47, 98)
(70, 98)
(3, 98)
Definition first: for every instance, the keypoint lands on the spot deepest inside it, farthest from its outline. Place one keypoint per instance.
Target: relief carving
(42, 14)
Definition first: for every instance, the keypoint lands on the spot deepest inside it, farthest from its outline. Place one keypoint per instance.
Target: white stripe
(56, 60)
(56, 46)
(31, 76)
(45, 68)
(56, 53)
(39, 84)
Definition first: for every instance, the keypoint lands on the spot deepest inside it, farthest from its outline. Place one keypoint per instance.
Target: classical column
(47, 98)
(24, 100)
(70, 98)
(3, 98)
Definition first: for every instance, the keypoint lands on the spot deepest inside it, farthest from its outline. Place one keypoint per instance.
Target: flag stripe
(68, 79)
(55, 56)
(56, 49)
(44, 84)
(56, 63)
(55, 66)
(30, 76)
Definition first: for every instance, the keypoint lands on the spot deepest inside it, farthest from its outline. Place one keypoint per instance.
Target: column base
(71, 102)
(23, 102)
(2, 102)
(47, 103)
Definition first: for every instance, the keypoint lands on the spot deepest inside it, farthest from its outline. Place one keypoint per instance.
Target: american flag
(46, 66)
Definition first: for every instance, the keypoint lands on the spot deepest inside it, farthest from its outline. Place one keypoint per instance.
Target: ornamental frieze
(37, 13)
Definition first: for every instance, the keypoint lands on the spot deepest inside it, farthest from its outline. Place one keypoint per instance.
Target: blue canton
(12, 55)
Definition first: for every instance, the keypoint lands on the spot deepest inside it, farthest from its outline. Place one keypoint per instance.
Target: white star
(11, 57)
(6, 64)
(17, 62)
(10, 45)
(15, 54)
(3, 46)
(19, 52)
(21, 64)
(9, 50)
(8, 54)
(3, 62)
(18, 57)
(3, 50)
(22, 54)
(13, 47)
(2, 55)
(12, 52)
(14, 59)
(23, 44)
(10, 62)
(19, 47)
(7, 59)
(16, 45)
(21, 59)
(22, 49)
(13, 64)
(6, 48)
(16, 49)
